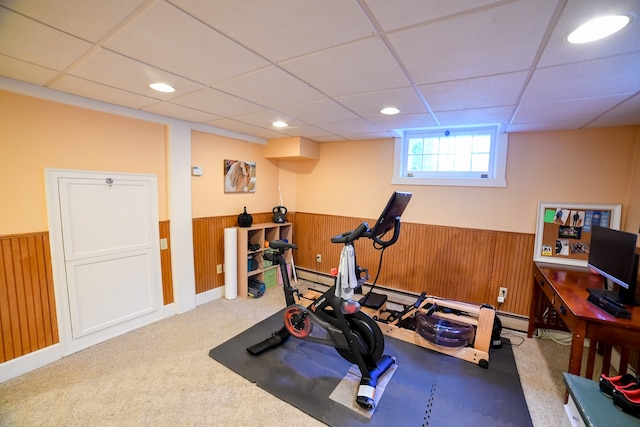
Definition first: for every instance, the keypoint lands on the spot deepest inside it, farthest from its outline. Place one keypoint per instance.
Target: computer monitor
(390, 215)
(612, 254)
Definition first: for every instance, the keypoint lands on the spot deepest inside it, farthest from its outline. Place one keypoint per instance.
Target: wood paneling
(208, 246)
(165, 263)
(462, 264)
(27, 304)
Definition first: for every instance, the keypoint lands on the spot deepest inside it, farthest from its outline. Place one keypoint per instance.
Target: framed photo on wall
(563, 230)
(239, 176)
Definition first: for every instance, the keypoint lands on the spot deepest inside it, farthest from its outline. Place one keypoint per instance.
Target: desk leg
(535, 295)
(577, 346)
(591, 359)
(606, 358)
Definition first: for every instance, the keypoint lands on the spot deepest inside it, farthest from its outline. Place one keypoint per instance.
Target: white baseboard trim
(169, 310)
(208, 296)
(29, 362)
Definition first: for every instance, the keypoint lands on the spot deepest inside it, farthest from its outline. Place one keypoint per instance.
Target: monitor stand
(608, 301)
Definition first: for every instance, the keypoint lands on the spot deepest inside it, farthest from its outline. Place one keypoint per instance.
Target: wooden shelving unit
(258, 234)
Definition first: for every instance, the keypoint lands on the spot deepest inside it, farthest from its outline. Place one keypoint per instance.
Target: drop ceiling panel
(545, 126)
(311, 132)
(118, 71)
(403, 121)
(38, 44)
(281, 29)
(89, 20)
(583, 109)
(21, 70)
(588, 79)
(559, 51)
(477, 116)
(500, 40)
(167, 38)
(490, 91)
(245, 128)
(369, 104)
(624, 114)
(180, 112)
(350, 127)
(270, 86)
(322, 111)
(216, 102)
(265, 118)
(339, 71)
(395, 14)
(93, 90)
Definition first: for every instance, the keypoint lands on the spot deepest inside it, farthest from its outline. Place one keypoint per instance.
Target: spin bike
(333, 321)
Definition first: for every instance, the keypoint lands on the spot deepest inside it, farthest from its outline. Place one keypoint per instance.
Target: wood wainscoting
(455, 263)
(165, 264)
(28, 319)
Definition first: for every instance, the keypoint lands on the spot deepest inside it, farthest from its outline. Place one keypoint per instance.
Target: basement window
(471, 157)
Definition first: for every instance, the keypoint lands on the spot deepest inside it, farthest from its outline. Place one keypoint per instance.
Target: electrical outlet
(219, 268)
(318, 258)
(502, 295)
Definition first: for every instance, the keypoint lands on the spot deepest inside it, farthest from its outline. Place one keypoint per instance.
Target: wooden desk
(564, 290)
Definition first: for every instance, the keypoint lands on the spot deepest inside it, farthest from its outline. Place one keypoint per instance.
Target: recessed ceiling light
(390, 111)
(162, 87)
(280, 124)
(598, 28)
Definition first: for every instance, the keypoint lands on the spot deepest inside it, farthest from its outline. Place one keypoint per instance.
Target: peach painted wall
(207, 191)
(36, 134)
(583, 166)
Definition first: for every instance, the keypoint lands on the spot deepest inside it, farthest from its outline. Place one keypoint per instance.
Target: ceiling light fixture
(162, 87)
(280, 124)
(389, 111)
(598, 28)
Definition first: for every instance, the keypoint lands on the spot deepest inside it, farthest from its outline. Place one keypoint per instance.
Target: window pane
(481, 143)
(447, 145)
(414, 163)
(464, 144)
(480, 163)
(415, 146)
(430, 163)
(445, 163)
(462, 162)
(431, 145)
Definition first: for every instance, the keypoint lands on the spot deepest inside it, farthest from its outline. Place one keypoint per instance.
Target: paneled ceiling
(327, 67)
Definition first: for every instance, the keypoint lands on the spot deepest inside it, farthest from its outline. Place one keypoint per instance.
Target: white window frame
(497, 178)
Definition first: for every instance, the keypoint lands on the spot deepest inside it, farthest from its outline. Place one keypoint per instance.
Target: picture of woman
(239, 176)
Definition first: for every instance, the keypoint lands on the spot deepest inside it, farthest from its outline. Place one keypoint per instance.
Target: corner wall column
(180, 226)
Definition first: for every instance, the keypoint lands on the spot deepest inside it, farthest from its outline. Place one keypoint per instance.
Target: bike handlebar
(351, 236)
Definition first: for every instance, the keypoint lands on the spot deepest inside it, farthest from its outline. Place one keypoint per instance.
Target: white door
(110, 256)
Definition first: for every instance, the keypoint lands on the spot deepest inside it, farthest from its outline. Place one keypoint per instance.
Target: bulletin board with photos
(563, 231)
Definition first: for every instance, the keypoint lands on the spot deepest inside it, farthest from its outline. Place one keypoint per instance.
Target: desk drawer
(544, 285)
(567, 317)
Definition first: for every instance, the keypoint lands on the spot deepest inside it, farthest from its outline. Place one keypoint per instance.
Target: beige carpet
(161, 375)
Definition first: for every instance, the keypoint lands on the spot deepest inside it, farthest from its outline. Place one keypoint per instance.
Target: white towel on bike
(346, 280)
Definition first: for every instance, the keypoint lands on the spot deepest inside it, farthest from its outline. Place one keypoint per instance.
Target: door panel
(108, 290)
(100, 218)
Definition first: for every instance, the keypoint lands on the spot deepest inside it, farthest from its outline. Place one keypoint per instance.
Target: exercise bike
(335, 321)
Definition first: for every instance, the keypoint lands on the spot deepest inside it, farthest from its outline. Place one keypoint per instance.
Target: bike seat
(279, 244)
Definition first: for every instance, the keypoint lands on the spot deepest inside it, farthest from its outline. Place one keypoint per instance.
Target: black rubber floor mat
(427, 389)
